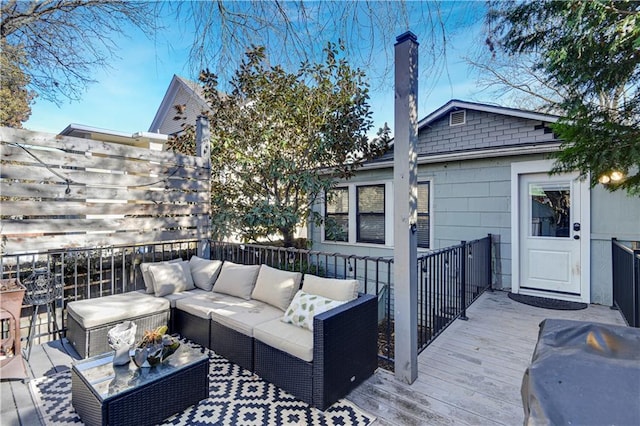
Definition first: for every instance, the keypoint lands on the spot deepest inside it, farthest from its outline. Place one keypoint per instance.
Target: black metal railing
(450, 280)
(373, 273)
(90, 272)
(626, 281)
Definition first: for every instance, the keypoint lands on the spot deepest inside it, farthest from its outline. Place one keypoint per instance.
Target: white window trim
(353, 232)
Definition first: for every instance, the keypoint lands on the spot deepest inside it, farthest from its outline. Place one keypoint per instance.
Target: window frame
(358, 215)
(427, 214)
(327, 214)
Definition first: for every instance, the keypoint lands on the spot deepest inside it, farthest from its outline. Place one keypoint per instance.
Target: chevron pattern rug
(236, 397)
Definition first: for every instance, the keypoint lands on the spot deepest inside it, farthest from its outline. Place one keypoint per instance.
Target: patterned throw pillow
(305, 306)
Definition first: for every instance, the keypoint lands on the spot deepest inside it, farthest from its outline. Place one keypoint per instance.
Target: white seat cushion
(201, 304)
(91, 313)
(294, 340)
(174, 297)
(243, 315)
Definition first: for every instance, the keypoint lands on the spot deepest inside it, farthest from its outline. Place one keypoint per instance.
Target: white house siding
(183, 96)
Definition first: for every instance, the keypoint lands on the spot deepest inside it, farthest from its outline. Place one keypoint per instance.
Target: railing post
(636, 287)
(490, 264)
(463, 281)
(203, 149)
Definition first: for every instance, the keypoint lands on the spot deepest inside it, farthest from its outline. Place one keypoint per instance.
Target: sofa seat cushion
(91, 313)
(294, 340)
(243, 315)
(174, 297)
(200, 305)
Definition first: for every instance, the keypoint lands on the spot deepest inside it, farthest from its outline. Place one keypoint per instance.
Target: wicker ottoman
(89, 320)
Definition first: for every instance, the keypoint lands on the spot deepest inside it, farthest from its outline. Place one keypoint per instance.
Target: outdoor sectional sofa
(313, 337)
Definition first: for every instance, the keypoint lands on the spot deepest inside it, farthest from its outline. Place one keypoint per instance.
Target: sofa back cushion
(237, 280)
(146, 276)
(331, 288)
(169, 278)
(204, 272)
(276, 287)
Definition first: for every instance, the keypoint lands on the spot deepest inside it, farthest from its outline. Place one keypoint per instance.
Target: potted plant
(155, 347)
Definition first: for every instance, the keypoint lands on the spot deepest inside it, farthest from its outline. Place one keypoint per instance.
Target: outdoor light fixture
(612, 178)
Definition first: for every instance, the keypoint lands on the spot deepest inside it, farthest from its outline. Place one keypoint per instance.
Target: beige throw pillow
(204, 272)
(146, 277)
(237, 280)
(330, 287)
(168, 278)
(276, 287)
(304, 307)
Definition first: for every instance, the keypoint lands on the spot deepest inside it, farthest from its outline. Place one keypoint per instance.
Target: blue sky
(126, 96)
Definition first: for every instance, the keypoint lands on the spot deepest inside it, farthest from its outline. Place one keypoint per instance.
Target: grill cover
(583, 373)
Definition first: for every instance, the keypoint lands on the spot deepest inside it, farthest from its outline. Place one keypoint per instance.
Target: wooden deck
(470, 375)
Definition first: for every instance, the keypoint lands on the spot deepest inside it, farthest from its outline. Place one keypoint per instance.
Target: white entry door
(550, 212)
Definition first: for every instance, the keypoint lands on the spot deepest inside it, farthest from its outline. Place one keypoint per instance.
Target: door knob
(576, 237)
(576, 226)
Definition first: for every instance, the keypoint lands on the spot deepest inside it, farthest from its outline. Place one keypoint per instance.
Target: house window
(370, 214)
(423, 215)
(336, 226)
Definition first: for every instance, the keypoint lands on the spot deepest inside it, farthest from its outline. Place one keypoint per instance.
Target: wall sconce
(611, 178)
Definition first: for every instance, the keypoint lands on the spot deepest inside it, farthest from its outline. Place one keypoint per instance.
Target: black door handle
(576, 237)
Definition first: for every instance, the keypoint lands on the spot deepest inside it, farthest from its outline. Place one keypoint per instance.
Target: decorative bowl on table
(155, 347)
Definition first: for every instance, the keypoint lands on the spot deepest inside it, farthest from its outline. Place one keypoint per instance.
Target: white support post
(203, 149)
(405, 197)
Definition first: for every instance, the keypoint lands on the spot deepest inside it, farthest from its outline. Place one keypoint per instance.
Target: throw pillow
(204, 272)
(332, 288)
(304, 307)
(146, 277)
(168, 278)
(237, 280)
(276, 287)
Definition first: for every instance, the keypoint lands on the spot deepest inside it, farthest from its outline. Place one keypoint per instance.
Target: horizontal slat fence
(64, 192)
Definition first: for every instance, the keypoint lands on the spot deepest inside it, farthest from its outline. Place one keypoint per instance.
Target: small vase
(121, 356)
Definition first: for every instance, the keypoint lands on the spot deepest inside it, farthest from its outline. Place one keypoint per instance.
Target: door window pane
(550, 210)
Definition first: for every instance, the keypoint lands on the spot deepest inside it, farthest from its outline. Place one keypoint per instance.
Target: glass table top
(108, 380)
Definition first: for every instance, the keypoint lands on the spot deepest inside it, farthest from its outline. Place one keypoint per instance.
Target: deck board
(471, 374)
(474, 369)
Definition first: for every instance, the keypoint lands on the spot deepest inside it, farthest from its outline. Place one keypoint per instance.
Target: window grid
(337, 215)
(370, 214)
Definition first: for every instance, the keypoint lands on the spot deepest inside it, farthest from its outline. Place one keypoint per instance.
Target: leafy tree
(279, 140)
(64, 40)
(15, 98)
(590, 49)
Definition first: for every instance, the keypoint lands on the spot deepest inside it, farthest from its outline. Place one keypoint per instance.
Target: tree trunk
(287, 237)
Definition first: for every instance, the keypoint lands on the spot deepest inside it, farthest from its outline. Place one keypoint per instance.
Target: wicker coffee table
(126, 395)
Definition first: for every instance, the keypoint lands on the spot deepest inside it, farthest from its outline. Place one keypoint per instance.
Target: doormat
(236, 397)
(545, 302)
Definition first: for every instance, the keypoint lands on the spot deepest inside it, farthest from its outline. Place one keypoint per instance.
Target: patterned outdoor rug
(236, 397)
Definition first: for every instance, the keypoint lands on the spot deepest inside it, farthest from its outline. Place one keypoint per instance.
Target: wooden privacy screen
(61, 192)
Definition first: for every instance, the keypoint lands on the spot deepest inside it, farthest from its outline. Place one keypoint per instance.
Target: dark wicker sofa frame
(344, 352)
